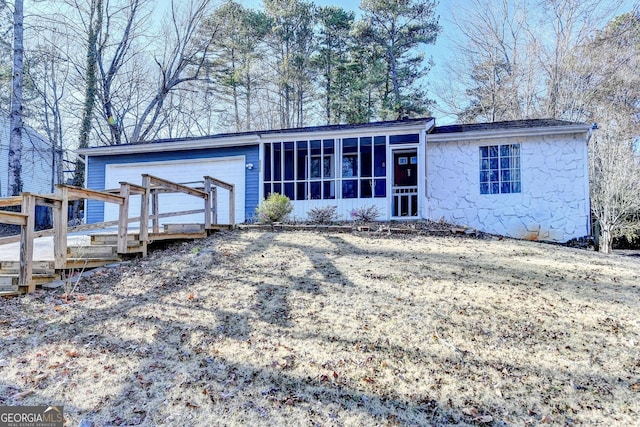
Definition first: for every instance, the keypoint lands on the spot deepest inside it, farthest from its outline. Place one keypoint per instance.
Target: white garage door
(188, 172)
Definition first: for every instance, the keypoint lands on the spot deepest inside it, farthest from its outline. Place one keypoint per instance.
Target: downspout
(593, 233)
(260, 168)
(425, 177)
(422, 159)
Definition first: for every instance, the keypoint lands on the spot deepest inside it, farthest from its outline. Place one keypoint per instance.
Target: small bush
(323, 215)
(275, 208)
(365, 214)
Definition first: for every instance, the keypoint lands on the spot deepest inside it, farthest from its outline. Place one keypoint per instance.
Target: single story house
(524, 179)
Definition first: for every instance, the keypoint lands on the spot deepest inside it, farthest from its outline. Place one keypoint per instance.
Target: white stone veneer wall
(553, 204)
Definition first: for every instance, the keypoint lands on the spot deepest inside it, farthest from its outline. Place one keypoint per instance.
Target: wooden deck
(57, 254)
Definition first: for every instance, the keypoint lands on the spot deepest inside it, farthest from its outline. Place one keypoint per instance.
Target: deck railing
(59, 203)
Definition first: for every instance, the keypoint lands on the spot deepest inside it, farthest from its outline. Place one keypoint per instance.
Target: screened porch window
(308, 168)
(364, 167)
(320, 169)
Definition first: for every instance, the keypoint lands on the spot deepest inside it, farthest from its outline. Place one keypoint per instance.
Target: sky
(441, 52)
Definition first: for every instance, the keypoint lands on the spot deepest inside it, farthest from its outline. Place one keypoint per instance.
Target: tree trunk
(90, 90)
(236, 108)
(248, 100)
(606, 239)
(15, 144)
(89, 100)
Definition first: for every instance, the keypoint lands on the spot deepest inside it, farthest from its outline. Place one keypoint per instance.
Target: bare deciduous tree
(517, 58)
(184, 60)
(614, 170)
(15, 143)
(611, 62)
(112, 52)
(49, 76)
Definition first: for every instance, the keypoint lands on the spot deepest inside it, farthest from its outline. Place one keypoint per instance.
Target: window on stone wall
(500, 169)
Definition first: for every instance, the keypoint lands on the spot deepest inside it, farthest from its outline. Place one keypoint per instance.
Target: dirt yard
(302, 328)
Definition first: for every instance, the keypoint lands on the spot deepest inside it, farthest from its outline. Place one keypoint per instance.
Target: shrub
(275, 208)
(365, 214)
(323, 215)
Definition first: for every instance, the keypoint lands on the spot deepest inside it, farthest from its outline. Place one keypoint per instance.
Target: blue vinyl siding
(96, 167)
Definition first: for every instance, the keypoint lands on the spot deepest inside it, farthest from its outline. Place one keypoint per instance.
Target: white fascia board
(346, 133)
(508, 133)
(154, 147)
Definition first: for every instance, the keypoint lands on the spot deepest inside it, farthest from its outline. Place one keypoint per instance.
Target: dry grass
(300, 328)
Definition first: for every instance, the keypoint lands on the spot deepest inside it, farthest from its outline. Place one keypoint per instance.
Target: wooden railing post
(207, 203)
(25, 279)
(214, 199)
(214, 203)
(144, 210)
(60, 223)
(123, 218)
(232, 207)
(154, 211)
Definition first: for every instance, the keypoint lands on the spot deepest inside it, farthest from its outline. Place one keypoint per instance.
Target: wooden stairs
(23, 276)
(103, 250)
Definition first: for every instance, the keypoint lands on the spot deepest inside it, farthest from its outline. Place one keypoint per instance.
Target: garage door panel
(187, 172)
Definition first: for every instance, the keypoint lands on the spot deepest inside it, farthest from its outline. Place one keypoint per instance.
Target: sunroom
(349, 167)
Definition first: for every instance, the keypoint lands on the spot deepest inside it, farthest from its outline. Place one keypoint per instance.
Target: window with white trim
(500, 169)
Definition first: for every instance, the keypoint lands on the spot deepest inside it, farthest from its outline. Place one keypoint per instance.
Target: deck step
(136, 248)
(186, 235)
(11, 267)
(42, 278)
(9, 282)
(112, 239)
(92, 251)
(9, 287)
(183, 228)
(220, 227)
(6, 281)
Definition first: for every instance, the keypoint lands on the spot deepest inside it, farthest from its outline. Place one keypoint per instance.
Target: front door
(405, 183)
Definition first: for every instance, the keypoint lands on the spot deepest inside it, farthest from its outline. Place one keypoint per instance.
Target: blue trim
(412, 138)
(96, 167)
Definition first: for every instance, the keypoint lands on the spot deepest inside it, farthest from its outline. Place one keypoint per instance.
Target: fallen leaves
(21, 395)
(477, 416)
(547, 419)
(266, 332)
(71, 353)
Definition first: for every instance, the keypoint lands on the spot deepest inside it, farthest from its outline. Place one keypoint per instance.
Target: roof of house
(28, 134)
(254, 137)
(511, 124)
(324, 128)
(435, 133)
(506, 129)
